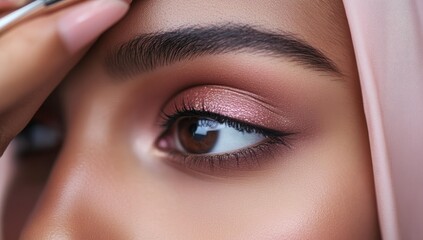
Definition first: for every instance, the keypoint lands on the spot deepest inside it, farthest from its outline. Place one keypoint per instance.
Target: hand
(37, 54)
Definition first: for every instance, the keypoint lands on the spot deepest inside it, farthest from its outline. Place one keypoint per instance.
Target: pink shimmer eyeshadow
(229, 102)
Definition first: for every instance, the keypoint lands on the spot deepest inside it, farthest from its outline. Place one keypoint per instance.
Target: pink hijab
(388, 42)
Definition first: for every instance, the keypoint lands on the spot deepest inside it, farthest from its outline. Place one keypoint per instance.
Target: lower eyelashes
(249, 158)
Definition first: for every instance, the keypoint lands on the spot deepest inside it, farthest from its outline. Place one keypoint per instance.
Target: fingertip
(84, 23)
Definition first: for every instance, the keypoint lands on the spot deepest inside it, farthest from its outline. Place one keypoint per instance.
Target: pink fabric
(7, 170)
(388, 42)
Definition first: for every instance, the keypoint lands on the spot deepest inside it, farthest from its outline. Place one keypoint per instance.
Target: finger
(11, 4)
(36, 55)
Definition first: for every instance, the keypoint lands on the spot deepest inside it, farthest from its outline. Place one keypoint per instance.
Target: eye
(207, 142)
(38, 137)
(199, 135)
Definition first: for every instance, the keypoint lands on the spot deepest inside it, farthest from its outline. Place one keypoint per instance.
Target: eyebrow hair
(147, 52)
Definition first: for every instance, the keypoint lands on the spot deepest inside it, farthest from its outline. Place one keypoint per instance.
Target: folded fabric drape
(388, 42)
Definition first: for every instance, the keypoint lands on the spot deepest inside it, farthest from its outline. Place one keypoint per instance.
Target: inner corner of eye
(163, 144)
(165, 140)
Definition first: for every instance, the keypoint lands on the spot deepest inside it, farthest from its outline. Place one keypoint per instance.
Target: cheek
(325, 192)
(320, 193)
(320, 198)
(307, 199)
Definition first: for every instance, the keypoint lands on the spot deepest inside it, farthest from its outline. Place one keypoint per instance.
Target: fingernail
(86, 22)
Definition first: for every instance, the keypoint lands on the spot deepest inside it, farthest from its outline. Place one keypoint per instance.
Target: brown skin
(111, 181)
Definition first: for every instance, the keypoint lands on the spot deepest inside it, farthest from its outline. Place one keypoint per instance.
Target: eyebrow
(146, 52)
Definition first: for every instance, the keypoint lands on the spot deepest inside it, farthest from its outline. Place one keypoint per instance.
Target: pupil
(197, 135)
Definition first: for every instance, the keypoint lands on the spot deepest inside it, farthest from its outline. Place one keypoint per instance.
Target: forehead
(286, 14)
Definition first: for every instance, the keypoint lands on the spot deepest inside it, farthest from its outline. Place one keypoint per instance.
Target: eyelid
(231, 103)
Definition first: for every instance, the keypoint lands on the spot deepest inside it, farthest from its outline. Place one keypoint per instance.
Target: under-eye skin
(200, 139)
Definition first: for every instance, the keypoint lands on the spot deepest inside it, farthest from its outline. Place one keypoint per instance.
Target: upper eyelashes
(188, 110)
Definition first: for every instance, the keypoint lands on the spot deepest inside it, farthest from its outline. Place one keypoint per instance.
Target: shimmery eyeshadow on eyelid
(232, 103)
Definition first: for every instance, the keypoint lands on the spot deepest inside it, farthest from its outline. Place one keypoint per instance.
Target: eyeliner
(24, 12)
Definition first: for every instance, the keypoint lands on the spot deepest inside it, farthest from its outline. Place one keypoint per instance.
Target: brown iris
(197, 135)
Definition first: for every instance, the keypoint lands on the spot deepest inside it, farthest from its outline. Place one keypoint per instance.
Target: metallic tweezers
(24, 12)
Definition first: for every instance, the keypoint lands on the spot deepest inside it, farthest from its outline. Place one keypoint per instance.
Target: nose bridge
(81, 198)
(70, 206)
